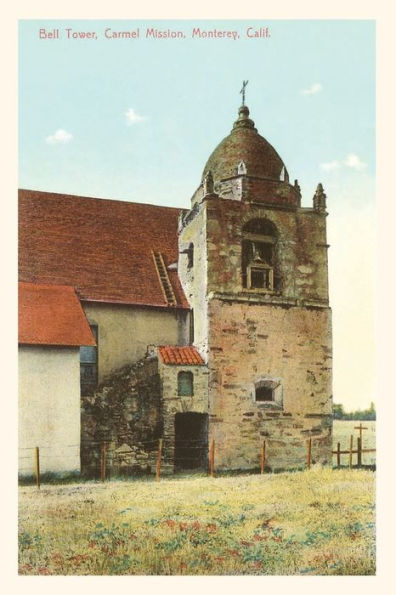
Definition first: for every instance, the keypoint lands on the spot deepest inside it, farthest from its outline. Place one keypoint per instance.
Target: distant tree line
(365, 415)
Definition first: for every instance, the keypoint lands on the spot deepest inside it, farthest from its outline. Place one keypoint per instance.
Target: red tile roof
(103, 248)
(52, 315)
(186, 356)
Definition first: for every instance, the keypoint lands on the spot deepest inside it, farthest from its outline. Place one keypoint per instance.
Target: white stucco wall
(49, 408)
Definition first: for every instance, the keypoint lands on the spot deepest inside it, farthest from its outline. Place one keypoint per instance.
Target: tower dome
(244, 145)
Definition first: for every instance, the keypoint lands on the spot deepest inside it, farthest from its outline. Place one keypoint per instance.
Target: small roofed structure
(52, 328)
(52, 315)
(174, 355)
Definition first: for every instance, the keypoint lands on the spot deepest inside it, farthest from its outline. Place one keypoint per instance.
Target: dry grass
(311, 522)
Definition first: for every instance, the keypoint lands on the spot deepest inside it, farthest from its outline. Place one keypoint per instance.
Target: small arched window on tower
(242, 168)
(258, 255)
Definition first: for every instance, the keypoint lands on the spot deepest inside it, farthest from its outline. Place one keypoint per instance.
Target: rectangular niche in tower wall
(268, 390)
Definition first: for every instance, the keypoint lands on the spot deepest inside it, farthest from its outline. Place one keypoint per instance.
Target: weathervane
(244, 83)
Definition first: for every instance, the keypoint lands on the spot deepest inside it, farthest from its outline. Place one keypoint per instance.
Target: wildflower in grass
(258, 537)
(187, 537)
(233, 553)
(57, 558)
(25, 568)
(78, 558)
(257, 564)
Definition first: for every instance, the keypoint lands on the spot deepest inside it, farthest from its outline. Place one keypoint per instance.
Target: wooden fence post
(309, 450)
(37, 465)
(211, 457)
(338, 454)
(262, 462)
(350, 451)
(359, 452)
(158, 461)
(103, 461)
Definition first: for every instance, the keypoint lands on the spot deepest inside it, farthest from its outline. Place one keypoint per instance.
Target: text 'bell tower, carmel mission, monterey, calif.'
(188, 327)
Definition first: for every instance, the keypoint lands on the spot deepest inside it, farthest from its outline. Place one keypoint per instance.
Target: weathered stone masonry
(132, 409)
(253, 267)
(125, 412)
(277, 335)
(281, 343)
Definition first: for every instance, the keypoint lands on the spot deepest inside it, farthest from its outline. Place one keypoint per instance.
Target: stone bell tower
(253, 264)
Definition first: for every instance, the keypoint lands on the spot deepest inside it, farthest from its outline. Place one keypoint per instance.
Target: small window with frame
(185, 384)
(268, 391)
(264, 394)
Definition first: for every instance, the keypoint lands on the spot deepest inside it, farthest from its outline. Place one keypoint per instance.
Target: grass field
(342, 431)
(315, 522)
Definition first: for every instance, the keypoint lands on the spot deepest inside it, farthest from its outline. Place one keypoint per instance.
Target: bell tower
(258, 287)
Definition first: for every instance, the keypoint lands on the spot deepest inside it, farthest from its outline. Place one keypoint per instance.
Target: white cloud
(60, 137)
(313, 89)
(330, 165)
(132, 117)
(351, 160)
(354, 162)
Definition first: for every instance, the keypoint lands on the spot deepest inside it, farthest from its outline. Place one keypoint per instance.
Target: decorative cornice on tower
(319, 199)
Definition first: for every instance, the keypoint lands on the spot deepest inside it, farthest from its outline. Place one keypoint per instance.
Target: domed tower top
(244, 145)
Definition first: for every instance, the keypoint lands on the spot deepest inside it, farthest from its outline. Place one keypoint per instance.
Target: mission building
(142, 322)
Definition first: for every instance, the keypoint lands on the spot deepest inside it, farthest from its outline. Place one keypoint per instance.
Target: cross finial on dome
(244, 83)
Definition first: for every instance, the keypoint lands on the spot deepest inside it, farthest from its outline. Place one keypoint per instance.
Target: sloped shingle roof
(101, 247)
(52, 315)
(186, 356)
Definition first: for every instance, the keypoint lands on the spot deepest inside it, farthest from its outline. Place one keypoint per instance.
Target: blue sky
(136, 119)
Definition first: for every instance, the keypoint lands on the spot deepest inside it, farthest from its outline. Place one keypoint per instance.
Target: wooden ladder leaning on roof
(164, 278)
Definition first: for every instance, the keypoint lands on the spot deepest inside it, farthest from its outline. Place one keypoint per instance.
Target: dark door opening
(191, 440)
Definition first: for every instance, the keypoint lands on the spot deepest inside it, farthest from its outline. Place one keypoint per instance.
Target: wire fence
(102, 457)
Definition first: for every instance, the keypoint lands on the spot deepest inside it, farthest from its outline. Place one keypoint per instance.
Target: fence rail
(359, 451)
(160, 445)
